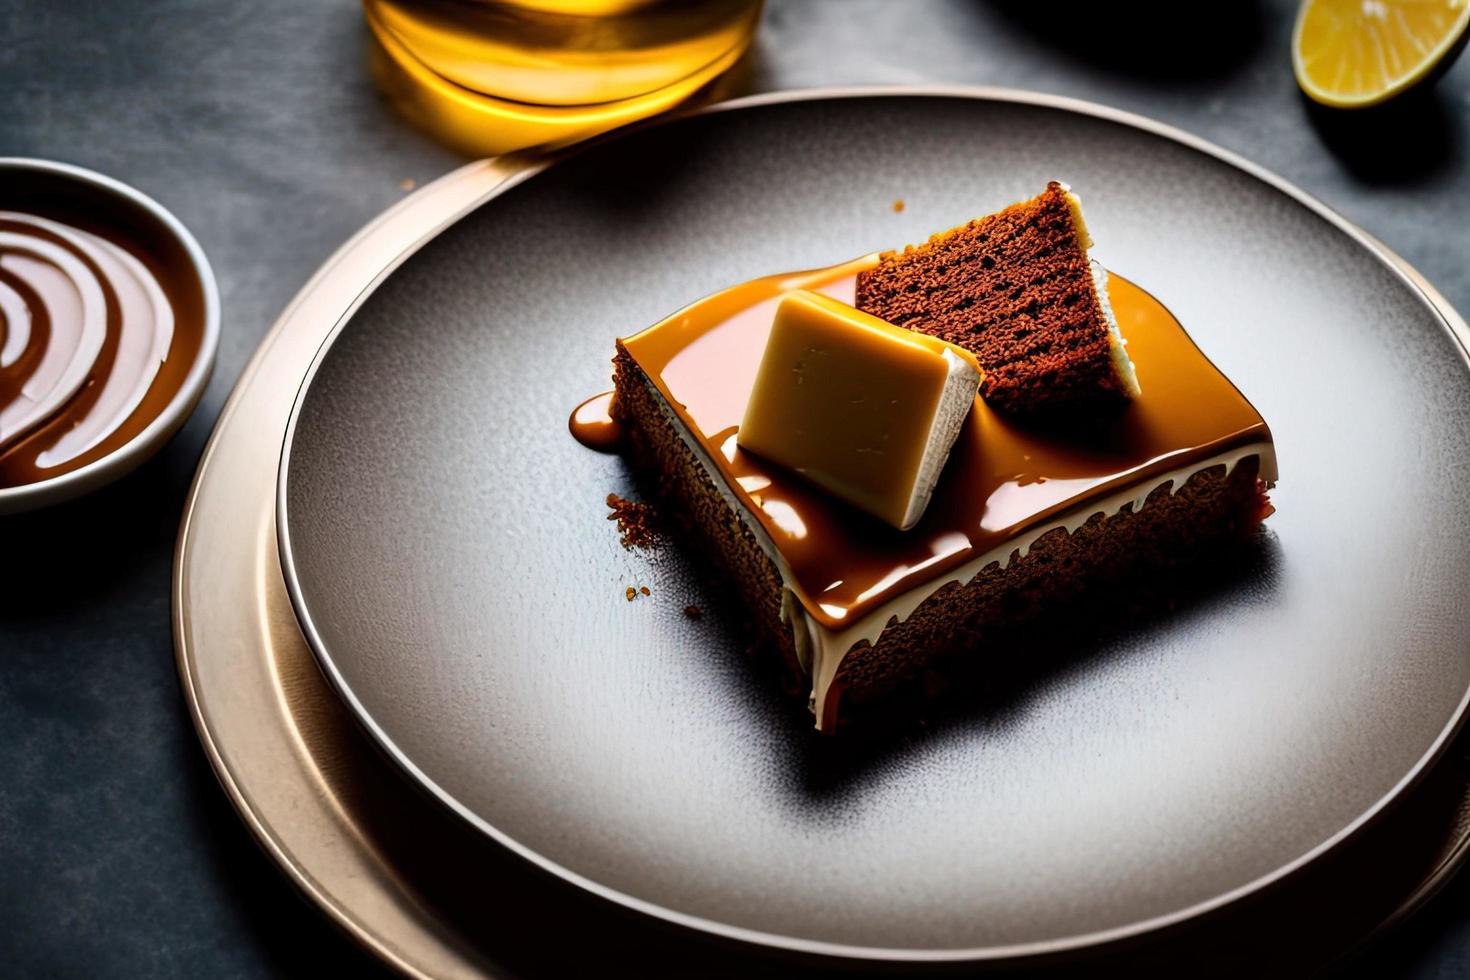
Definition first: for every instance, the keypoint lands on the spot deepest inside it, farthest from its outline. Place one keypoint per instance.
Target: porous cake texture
(1171, 528)
(1017, 289)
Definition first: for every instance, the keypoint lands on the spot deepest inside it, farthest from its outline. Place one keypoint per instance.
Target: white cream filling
(1117, 346)
(956, 401)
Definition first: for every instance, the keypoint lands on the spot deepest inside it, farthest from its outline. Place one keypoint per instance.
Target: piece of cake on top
(1017, 289)
(1023, 521)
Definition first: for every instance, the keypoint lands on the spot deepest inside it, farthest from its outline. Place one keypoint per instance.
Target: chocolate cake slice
(1018, 290)
(1023, 517)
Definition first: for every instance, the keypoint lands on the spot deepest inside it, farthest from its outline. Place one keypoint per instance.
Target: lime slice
(1351, 54)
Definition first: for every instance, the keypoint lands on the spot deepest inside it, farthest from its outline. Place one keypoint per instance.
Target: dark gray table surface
(255, 122)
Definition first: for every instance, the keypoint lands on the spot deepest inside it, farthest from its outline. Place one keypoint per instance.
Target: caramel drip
(1003, 476)
(87, 331)
(593, 425)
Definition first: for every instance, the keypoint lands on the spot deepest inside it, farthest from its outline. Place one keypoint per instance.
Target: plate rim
(1448, 320)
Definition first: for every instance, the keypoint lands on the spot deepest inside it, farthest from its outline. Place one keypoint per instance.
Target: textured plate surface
(449, 551)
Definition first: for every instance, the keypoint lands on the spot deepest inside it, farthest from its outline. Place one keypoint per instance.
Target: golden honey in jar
(492, 76)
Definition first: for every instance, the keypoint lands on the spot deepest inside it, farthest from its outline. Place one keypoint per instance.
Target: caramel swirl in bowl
(94, 343)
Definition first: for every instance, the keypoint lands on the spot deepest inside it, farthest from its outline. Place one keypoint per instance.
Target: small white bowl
(21, 177)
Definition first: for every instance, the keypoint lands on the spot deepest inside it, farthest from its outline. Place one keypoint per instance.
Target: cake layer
(1022, 513)
(1004, 478)
(1017, 289)
(1098, 543)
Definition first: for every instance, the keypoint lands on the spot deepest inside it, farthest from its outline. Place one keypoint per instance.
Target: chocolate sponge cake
(1023, 517)
(1017, 289)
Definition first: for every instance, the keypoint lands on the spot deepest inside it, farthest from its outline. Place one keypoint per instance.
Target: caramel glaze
(593, 426)
(96, 338)
(1003, 476)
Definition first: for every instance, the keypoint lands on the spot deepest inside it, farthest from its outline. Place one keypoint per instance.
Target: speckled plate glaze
(446, 546)
(395, 873)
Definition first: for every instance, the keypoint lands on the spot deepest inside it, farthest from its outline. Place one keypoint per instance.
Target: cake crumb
(631, 593)
(408, 183)
(693, 612)
(637, 526)
(898, 206)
